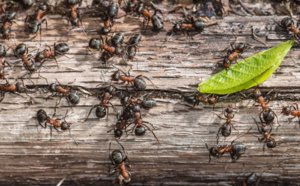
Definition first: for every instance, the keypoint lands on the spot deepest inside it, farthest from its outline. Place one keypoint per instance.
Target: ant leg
(220, 116)
(152, 133)
(243, 58)
(90, 112)
(261, 139)
(257, 124)
(234, 127)
(107, 112)
(2, 96)
(218, 135)
(45, 124)
(290, 119)
(147, 79)
(72, 137)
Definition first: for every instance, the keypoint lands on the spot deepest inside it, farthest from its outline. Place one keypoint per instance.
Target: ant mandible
(119, 159)
(235, 150)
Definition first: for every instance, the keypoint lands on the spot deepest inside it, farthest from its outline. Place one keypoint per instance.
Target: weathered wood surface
(30, 156)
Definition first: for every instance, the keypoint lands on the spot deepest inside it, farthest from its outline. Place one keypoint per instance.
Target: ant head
(213, 151)
(118, 133)
(111, 89)
(229, 109)
(251, 179)
(104, 31)
(95, 43)
(52, 87)
(21, 49)
(136, 108)
(2, 51)
(241, 47)
(213, 100)
(9, 15)
(271, 143)
(40, 56)
(74, 21)
(20, 87)
(116, 76)
(43, 6)
(177, 28)
(65, 125)
(286, 22)
(286, 110)
(140, 130)
(139, 83)
(73, 98)
(117, 157)
(257, 93)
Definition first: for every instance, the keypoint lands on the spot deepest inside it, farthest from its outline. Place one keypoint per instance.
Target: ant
(7, 22)
(119, 159)
(145, 103)
(252, 179)
(235, 52)
(225, 129)
(291, 110)
(157, 21)
(235, 150)
(111, 12)
(197, 25)
(288, 24)
(132, 46)
(198, 97)
(6, 6)
(267, 114)
(264, 129)
(2, 61)
(72, 97)
(59, 49)
(97, 44)
(44, 119)
(140, 128)
(28, 62)
(35, 21)
(102, 107)
(117, 39)
(11, 88)
(74, 16)
(137, 82)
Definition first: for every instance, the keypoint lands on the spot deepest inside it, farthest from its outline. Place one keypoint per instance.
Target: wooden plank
(30, 156)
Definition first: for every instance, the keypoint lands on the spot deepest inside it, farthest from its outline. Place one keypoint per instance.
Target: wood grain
(29, 156)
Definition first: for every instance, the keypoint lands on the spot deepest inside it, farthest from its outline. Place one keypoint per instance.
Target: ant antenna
(240, 136)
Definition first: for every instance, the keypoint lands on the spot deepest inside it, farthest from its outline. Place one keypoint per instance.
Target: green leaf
(258, 67)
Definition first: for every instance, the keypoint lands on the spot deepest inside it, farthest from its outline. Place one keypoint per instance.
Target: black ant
(7, 22)
(35, 21)
(102, 107)
(235, 150)
(119, 159)
(225, 129)
(266, 131)
(72, 97)
(44, 119)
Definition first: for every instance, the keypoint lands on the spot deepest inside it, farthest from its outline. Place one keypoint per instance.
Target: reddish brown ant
(7, 22)
(35, 21)
(119, 159)
(72, 97)
(267, 114)
(291, 110)
(21, 50)
(198, 97)
(266, 131)
(12, 88)
(74, 16)
(198, 25)
(6, 6)
(59, 49)
(235, 150)
(288, 24)
(102, 108)
(225, 129)
(98, 45)
(235, 52)
(157, 21)
(44, 119)
(138, 82)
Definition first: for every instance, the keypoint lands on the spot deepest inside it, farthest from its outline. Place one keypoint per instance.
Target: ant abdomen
(41, 116)
(271, 143)
(226, 130)
(100, 112)
(140, 130)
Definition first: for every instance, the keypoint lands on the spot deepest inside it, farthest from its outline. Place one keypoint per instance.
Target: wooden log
(29, 155)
